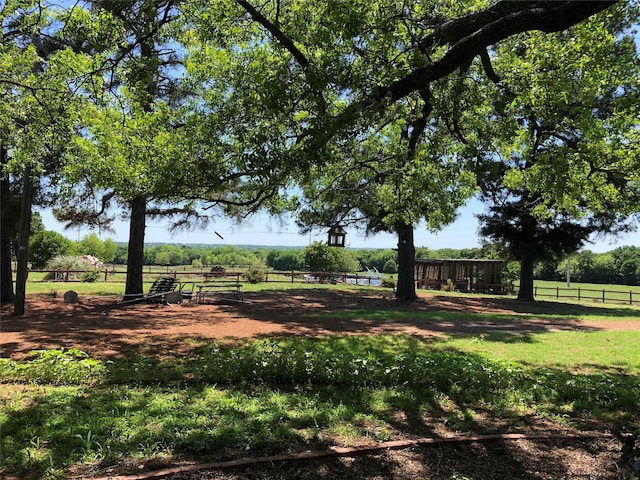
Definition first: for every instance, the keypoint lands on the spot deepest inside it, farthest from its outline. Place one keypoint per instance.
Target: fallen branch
(337, 452)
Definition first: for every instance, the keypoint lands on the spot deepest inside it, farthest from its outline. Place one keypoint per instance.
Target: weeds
(55, 367)
(272, 394)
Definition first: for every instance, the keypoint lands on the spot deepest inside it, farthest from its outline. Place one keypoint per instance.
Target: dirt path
(102, 328)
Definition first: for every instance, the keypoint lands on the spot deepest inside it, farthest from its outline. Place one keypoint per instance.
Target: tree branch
(488, 68)
(467, 36)
(278, 34)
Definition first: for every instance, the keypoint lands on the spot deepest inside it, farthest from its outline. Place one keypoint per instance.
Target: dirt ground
(104, 329)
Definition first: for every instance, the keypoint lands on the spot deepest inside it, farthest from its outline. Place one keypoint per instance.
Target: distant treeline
(281, 258)
(46, 244)
(619, 266)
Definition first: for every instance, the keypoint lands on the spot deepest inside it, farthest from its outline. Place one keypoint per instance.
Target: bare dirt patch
(103, 329)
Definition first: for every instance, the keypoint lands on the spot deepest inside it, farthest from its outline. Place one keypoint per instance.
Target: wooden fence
(589, 294)
(292, 276)
(603, 295)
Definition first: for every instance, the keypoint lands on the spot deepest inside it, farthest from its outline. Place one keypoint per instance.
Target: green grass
(587, 292)
(116, 288)
(61, 409)
(547, 290)
(611, 351)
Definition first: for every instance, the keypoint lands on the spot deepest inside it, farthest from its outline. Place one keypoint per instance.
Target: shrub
(254, 274)
(388, 282)
(449, 286)
(91, 277)
(390, 266)
(64, 263)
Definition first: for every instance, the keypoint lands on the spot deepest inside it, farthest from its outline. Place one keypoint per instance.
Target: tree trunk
(6, 276)
(23, 247)
(406, 287)
(135, 252)
(525, 291)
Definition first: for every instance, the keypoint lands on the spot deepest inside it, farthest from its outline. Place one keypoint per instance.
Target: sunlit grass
(578, 350)
(60, 408)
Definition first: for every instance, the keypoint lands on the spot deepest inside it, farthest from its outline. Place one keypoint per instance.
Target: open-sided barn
(465, 275)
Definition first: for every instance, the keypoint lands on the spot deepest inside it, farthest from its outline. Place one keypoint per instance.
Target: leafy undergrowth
(61, 409)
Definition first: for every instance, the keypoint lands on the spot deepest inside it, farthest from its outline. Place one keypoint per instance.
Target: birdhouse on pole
(337, 236)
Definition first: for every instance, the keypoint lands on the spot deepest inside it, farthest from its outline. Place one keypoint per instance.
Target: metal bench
(222, 291)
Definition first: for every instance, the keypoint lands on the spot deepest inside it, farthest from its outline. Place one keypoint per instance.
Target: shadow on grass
(289, 394)
(502, 337)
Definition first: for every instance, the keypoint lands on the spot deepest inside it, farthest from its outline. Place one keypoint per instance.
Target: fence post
(557, 292)
(292, 273)
(535, 290)
(630, 297)
(578, 293)
(603, 294)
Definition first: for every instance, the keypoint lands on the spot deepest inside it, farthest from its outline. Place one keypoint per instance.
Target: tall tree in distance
(393, 180)
(124, 156)
(561, 161)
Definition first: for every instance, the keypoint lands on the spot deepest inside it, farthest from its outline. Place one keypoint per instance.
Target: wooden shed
(465, 275)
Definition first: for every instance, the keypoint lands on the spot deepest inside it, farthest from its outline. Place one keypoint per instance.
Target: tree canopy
(559, 159)
(194, 108)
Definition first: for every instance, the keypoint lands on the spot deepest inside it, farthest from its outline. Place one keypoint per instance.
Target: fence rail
(596, 295)
(603, 295)
(289, 276)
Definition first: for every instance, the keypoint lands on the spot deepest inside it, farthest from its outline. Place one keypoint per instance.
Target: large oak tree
(349, 70)
(288, 85)
(38, 103)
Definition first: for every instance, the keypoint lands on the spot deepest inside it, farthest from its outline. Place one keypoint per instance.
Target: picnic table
(229, 291)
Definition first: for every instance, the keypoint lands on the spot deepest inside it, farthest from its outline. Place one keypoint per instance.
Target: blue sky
(268, 232)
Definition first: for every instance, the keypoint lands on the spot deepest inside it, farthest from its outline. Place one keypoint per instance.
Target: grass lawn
(587, 292)
(611, 351)
(63, 413)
